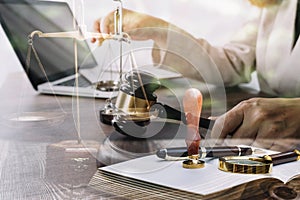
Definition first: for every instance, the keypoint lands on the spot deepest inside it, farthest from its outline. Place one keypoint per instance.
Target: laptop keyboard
(82, 82)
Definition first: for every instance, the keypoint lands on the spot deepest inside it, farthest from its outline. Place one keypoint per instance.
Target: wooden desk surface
(43, 160)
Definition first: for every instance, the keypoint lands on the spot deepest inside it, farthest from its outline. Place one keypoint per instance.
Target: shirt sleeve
(198, 59)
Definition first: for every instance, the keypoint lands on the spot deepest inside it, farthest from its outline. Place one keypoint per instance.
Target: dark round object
(285, 192)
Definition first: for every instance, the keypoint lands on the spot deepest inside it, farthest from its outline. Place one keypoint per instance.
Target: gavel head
(136, 81)
(131, 111)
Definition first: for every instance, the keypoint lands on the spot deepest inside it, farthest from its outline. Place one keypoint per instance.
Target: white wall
(215, 20)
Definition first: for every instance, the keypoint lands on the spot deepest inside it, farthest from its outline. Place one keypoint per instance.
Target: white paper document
(202, 181)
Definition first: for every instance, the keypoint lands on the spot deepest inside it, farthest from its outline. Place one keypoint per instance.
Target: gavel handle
(168, 112)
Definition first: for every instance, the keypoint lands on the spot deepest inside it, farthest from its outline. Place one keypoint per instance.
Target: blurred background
(214, 20)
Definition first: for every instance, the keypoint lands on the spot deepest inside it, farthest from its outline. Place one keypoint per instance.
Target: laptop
(57, 76)
(57, 73)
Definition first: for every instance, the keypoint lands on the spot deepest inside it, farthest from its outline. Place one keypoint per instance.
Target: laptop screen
(20, 18)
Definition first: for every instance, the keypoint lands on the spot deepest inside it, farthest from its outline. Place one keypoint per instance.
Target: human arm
(194, 58)
(260, 118)
(139, 26)
(227, 65)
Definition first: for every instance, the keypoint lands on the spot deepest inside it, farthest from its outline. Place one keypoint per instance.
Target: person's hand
(260, 118)
(139, 26)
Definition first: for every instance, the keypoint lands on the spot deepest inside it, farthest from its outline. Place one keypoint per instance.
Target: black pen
(180, 153)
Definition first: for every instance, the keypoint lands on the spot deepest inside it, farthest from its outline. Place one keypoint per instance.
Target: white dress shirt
(264, 44)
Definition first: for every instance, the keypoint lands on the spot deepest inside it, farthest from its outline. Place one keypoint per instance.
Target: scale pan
(108, 86)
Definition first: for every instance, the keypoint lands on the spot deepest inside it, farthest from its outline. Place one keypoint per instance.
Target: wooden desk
(42, 160)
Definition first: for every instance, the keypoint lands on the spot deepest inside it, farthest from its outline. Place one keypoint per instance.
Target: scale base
(118, 147)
